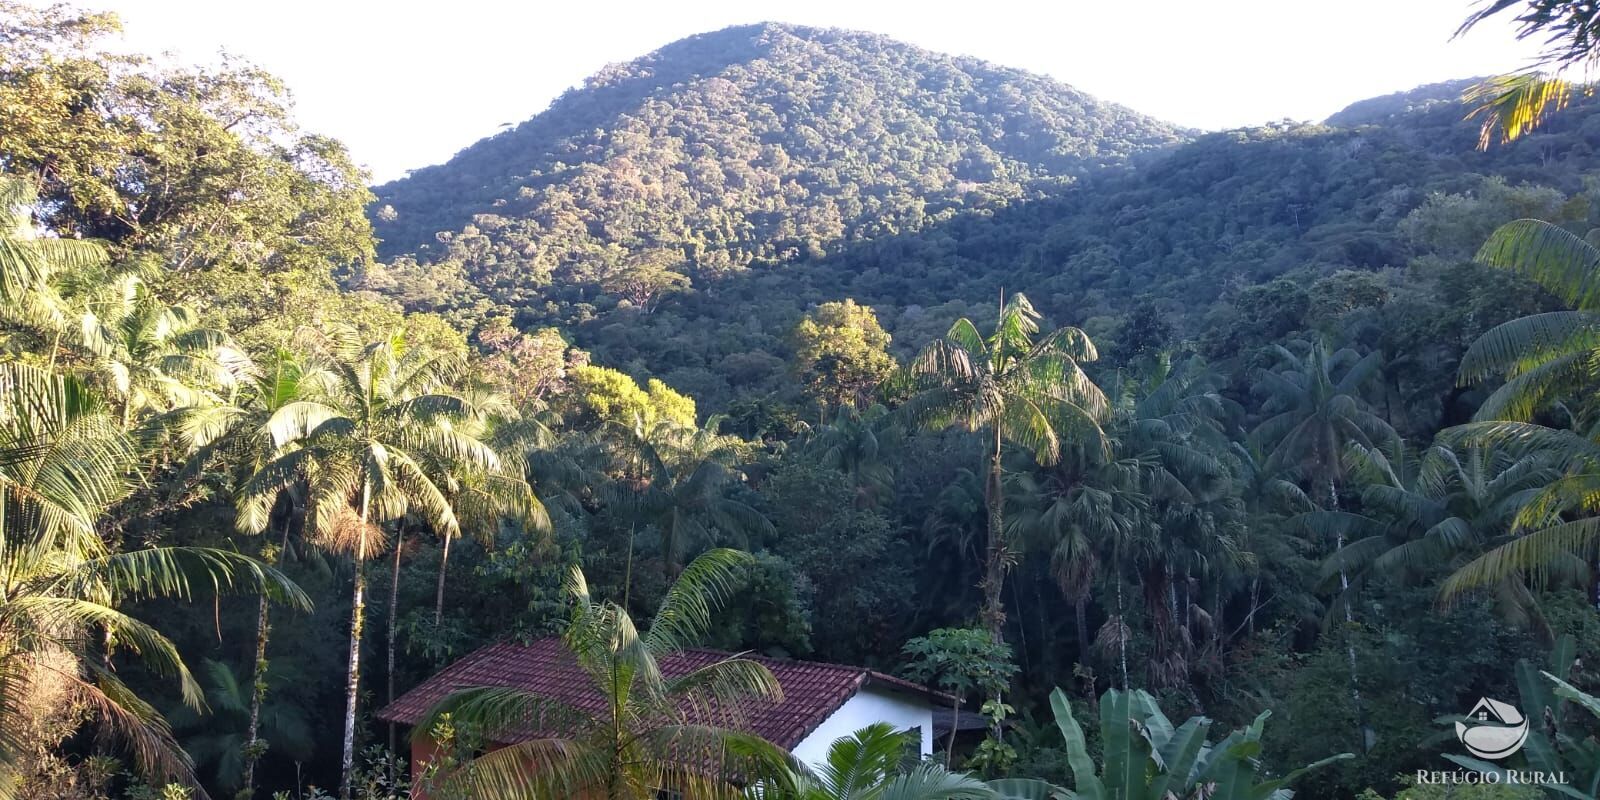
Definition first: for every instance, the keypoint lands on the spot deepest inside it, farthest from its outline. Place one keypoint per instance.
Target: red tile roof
(812, 691)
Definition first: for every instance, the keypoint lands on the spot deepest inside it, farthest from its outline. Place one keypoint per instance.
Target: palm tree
(63, 461)
(159, 357)
(1543, 358)
(678, 481)
(1032, 393)
(1170, 421)
(1268, 499)
(31, 269)
(221, 736)
(652, 731)
(237, 432)
(858, 443)
(1316, 413)
(483, 498)
(1436, 510)
(361, 448)
(870, 764)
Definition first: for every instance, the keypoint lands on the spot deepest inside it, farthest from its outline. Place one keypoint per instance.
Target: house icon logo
(1493, 729)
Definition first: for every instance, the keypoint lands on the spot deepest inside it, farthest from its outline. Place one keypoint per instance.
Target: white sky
(406, 83)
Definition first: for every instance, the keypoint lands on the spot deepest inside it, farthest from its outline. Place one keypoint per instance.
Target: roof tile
(812, 691)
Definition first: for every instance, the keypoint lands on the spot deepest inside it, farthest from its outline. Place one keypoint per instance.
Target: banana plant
(1144, 757)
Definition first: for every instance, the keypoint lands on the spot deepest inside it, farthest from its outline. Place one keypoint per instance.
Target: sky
(407, 83)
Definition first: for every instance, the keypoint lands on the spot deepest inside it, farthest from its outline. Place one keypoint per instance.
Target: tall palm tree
(483, 499)
(361, 448)
(1269, 499)
(63, 461)
(1014, 389)
(236, 432)
(1315, 413)
(1170, 420)
(1545, 359)
(652, 732)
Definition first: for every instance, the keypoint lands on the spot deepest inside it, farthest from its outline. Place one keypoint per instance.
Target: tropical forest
(1172, 464)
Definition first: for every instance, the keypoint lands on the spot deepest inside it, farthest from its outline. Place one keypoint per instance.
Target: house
(821, 702)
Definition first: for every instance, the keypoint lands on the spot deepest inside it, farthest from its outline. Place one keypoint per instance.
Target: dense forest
(800, 342)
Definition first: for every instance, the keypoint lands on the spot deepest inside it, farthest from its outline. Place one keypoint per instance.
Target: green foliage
(959, 661)
(647, 734)
(841, 353)
(606, 396)
(870, 764)
(1144, 756)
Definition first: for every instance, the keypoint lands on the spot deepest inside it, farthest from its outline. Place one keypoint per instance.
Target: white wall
(871, 704)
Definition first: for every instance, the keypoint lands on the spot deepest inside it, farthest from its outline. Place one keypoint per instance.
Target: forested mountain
(748, 147)
(799, 342)
(677, 214)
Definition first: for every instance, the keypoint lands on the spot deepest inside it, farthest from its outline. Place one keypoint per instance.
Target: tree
(222, 737)
(841, 354)
(1420, 513)
(527, 367)
(1316, 413)
(601, 396)
(484, 499)
(361, 447)
(1544, 358)
(65, 461)
(201, 170)
(959, 661)
(652, 731)
(645, 277)
(860, 444)
(238, 434)
(678, 481)
(1032, 393)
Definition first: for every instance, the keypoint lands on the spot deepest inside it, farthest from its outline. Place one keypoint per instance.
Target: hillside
(749, 146)
(676, 215)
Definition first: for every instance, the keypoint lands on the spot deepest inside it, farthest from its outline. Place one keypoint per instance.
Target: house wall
(868, 706)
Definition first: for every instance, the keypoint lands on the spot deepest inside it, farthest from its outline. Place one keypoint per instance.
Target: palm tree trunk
(994, 567)
(438, 594)
(1349, 621)
(1122, 638)
(358, 615)
(1250, 618)
(1080, 612)
(258, 683)
(394, 609)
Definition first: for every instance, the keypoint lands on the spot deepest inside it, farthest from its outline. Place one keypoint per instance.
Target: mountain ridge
(822, 98)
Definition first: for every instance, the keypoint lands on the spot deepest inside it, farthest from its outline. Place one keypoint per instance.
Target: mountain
(1376, 110)
(677, 214)
(746, 147)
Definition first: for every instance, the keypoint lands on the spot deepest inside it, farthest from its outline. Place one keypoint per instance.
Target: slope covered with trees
(748, 147)
(1045, 406)
(647, 213)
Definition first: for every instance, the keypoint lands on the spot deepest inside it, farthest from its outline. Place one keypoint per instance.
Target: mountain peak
(752, 145)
